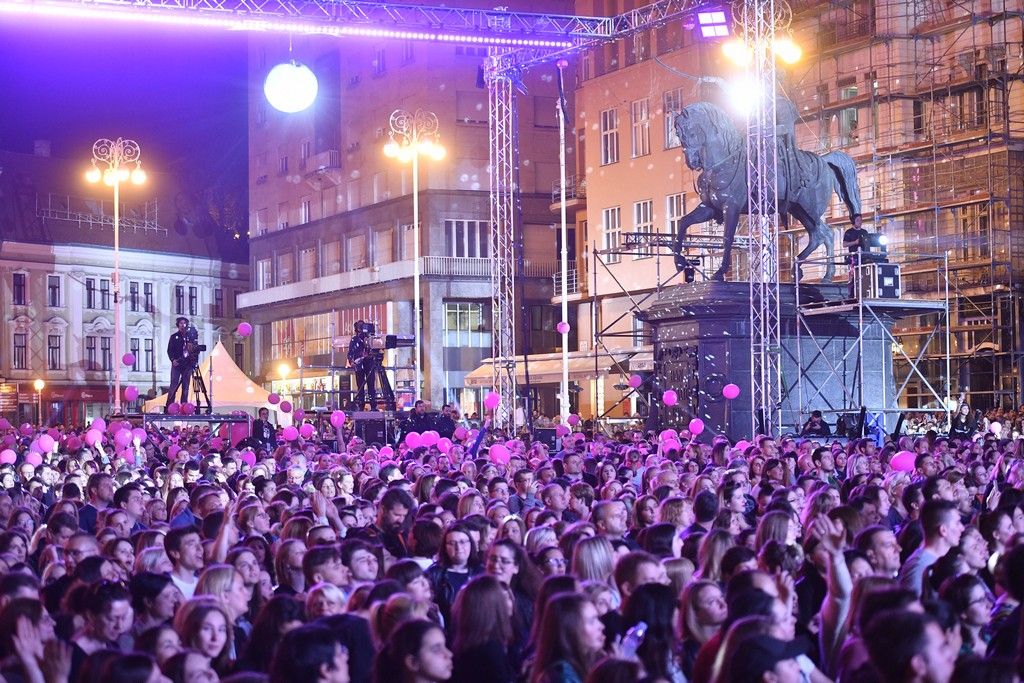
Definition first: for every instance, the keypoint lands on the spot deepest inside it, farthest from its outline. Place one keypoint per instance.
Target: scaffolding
(927, 98)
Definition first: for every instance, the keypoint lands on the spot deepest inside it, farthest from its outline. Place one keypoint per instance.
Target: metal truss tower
(758, 22)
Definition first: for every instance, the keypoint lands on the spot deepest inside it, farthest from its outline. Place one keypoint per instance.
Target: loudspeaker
(546, 435)
(371, 427)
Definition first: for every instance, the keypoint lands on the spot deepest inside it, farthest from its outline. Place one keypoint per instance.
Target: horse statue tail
(845, 172)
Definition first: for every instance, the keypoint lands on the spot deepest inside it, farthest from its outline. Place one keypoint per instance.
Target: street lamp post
(413, 134)
(39, 385)
(116, 156)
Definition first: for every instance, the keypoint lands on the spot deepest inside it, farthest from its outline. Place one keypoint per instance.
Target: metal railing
(93, 214)
(575, 188)
(571, 280)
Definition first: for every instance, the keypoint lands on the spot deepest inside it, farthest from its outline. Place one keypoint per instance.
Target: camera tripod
(199, 389)
(376, 378)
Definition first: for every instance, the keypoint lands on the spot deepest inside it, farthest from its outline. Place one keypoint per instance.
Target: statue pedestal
(701, 337)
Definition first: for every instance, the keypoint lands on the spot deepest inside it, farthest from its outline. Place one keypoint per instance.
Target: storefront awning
(547, 368)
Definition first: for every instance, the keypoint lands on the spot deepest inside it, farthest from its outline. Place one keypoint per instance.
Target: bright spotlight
(138, 176)
(290, 87)
(738, 52)
(94, 175)
(713, 22)
(787, 50)
(743, 94)
(883, 240)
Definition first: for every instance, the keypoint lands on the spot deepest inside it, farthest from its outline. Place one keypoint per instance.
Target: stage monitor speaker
(371, 427)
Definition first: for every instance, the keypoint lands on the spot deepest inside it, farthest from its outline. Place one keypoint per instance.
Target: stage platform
(215, 419)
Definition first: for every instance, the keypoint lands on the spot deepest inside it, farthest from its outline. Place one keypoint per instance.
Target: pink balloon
(173, 450)
(244, 329)
(461, 433)
(387, 451)
(99, 424)
(249, 458)
(444, 445)
(73, 443)
(128, 359)
(46, 443)
(290, 433)
(492, 400)
(413, 440)
(54, 433)
(306, 430)
(574, 419)
(696, 426)
(562, 430)
(903, 461)
(670, 397)
(730, 391)
(672, 445)
(743, 445)
(27, 429)
(123, 438)
(173, 408)
(188, 408)
(139, 434)
(635, 381)
(5, 423)
(34, 459)
(668, 434)
(10, 440)
(131, 393)
(429, 438)
(338, 419)
(8, 457)
(299, 414)
(285, 407)
(273, 399)
(499, 454)
(562, 327)
(93, 437)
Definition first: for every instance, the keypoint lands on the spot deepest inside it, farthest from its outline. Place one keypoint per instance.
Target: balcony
(575, 194)
(572, 282)
(324, 167)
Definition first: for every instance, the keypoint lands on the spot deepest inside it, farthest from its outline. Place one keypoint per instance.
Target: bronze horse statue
(806, 181)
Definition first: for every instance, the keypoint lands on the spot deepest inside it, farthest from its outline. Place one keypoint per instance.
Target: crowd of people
(615, 557)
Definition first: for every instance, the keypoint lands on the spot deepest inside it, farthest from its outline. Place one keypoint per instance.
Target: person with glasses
(453, 568)
(551, 561)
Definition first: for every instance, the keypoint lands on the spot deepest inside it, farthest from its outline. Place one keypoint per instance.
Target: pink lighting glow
(151, 15)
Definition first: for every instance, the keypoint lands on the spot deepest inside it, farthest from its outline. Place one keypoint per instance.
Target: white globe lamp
(290, 87)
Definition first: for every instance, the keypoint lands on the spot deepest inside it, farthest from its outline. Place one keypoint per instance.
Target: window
(379, 64)
(380, 186)
(90, 353)
(264, 274)
(356, 247)
(307, 264)
(240, 355)
(53, 354)
(383, 246)
(218, 303)
(53, 291)
(105, 353)
(405, 241)
(643, 221)
(305, 150)
(19, 295)
(133, 345)
(609, 136)
(282, 165)
(262, 221)
(467, 238)
(148, 346)
(407, 52)
(640, 333)
(640, 127)
(147, 296)
(133, 296)
(90, 292)
(282, 215)
(193, 301)
(672, 105)
(285, 268)
(105, 294)
(612, 221)
(848, 117)
(305, 210)
(675, 209)
(332, 257)
(179, 299)
(465, 325)
(20, 351)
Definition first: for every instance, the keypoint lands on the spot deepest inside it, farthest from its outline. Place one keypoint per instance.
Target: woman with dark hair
(453, 569)
(244, 560)
(551, 586)
(661, 540)
(281, 614)
(482, 632)
(412, 578)
(203, 623)
(155, 599)
(131, 668)
(970, 599)
(189, 666)
(108, 616)
(508, 562)
(655, 605)
(703, 612)
(570, 640)
(415, 653)
(161, 642)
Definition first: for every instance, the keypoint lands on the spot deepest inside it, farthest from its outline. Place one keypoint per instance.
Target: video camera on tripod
(381, 342)
(192, 340)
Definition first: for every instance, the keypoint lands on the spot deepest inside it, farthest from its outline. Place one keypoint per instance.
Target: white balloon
(290, 87)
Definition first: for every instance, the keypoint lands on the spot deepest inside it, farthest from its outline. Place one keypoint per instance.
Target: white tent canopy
(229, 387)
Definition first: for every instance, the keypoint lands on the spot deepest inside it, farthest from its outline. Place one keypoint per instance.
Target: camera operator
(182, 350)
(360, 359)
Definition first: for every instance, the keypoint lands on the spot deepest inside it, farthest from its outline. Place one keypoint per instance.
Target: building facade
(56, 295)
(331, 217)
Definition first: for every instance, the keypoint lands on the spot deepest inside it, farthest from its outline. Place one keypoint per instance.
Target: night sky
(181, 93)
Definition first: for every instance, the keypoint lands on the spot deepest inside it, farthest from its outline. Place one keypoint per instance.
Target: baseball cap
(760, 654)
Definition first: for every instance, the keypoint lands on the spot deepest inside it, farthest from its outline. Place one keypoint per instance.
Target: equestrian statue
(805, 181)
